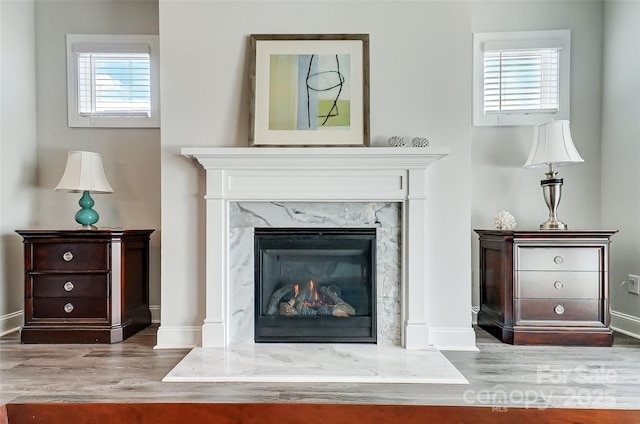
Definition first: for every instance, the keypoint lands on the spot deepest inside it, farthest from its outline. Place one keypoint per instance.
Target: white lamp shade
(84, 172)
(552, 144)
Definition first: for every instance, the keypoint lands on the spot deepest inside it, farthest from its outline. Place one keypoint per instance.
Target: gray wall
(498, 180)
(413, 93)
(131, 157)
(621, 155)
(36, 139)
(18, 151)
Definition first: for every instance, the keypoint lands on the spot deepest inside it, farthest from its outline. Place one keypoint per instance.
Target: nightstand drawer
(558, 284)
(70, 256)
(558, 311)
(558, 259)
(70, 308)
(69, 285)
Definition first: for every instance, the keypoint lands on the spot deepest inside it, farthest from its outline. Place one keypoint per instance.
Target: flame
(313, 293)
(311, 297)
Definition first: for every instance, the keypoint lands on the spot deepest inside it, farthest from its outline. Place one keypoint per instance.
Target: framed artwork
(309, 90)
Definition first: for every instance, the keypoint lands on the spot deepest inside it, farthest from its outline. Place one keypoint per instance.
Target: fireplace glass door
(315, 285)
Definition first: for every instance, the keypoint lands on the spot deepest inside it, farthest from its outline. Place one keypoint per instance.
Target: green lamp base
(86, 216)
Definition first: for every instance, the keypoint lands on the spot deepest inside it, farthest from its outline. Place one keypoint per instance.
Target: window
(112, 81)
(520, 78)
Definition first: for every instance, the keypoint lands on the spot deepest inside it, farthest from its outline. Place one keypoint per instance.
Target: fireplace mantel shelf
(315, 157)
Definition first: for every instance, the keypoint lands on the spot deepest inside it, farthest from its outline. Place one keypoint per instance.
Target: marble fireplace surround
(317, 174)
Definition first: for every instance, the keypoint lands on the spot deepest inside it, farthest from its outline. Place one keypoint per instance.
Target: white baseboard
(155, 313)
(474, 314)
(625, 324)
(453, 338)
(416, 336)
(10, 323)
(443, 338)
(178, 337)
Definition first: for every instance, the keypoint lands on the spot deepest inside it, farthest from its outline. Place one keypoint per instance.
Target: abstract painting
(309, 90)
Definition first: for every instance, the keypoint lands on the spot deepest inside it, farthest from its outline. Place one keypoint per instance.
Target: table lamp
(552, 145)
(85, 173)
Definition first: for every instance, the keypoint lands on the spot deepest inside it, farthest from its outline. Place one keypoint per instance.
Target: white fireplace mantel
(317, 174)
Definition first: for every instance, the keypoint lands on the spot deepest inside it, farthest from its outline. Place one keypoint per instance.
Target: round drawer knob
(558, 285)
(558, 260)
(559, 309)
(68, 308)
(67, 256)
(68, 286)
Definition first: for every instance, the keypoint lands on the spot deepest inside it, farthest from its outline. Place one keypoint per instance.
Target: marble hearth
(377, 186)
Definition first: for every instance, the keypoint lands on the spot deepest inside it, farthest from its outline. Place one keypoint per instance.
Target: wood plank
(161, 413)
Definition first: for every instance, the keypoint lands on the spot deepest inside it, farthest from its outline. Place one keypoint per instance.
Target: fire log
(339, 312)
(286, 309)
(274, 301)
(341, 307)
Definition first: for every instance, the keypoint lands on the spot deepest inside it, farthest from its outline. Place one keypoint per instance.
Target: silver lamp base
(552, 191)
(553, 225)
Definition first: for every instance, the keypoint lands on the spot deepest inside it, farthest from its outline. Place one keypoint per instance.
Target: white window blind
(521, 80)
(114, 84)
(112, 81)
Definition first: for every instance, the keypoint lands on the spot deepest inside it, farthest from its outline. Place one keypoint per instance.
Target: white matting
(335, 363)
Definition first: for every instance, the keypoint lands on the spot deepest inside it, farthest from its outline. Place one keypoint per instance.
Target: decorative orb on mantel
(397, 141)
(419, 142)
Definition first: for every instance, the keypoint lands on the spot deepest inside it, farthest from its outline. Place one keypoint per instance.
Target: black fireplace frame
(361, 329)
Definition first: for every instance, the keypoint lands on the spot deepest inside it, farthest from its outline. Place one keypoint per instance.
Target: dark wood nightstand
(545, 287)
(88, 286)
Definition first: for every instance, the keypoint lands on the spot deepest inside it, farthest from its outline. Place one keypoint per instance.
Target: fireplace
(315, 285)
(325, 176)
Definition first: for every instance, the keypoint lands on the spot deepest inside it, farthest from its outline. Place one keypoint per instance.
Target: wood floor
(500, 375)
